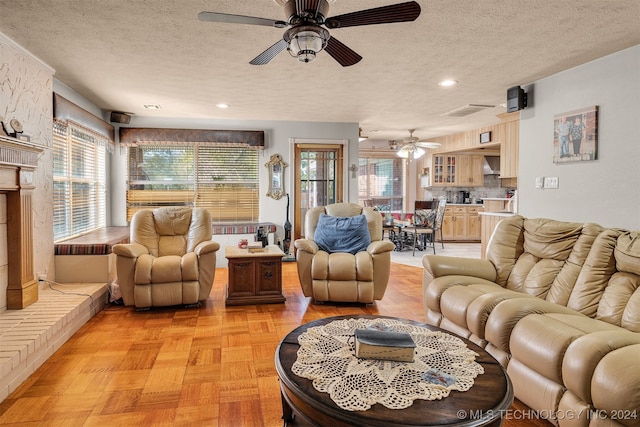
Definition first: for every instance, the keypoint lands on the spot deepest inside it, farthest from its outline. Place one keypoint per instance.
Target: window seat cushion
(100, 242)
(97, 242)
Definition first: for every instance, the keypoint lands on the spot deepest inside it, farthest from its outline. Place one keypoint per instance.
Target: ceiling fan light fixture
(411, 151)
(306, 41)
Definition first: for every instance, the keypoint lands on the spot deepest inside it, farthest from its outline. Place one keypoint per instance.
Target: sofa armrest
(304, 258)
(206, 247)
(127, 255)
(380, 246)
(439, 265)
(130, 250)
(306, 245)
(584, 355)
(614, 386)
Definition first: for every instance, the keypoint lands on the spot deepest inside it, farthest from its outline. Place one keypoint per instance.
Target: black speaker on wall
(516, 99)
(123, 118)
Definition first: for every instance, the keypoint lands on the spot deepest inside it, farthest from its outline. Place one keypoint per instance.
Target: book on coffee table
(384, 345)
(254, 247)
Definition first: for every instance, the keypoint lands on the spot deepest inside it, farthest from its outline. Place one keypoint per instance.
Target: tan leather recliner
(171, 259)
(340, 276)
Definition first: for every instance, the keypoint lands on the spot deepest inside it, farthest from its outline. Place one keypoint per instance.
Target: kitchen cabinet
(471, 170)
(444, 167)
(461, 223)
(473, 223)
(460, 170)
(447, 224)
(509, 148)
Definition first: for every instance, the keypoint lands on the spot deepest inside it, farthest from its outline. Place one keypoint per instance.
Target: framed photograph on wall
(575, 135)
(485, 137)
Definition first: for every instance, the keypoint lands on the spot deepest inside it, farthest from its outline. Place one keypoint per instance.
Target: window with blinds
(381, 183)
(224, 180)
(79, 177)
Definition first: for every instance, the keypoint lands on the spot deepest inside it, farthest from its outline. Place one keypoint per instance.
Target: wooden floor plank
(212, 365)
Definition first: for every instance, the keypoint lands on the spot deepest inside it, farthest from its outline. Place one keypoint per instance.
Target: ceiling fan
(413, 148)
(308, 35)
(391, 145)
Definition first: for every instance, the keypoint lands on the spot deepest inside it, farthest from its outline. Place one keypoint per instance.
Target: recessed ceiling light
(222, 105)
(152, 106)
(448, 83)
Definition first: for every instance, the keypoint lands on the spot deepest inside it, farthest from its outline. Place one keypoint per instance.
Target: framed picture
(575, 135)
(485, 137)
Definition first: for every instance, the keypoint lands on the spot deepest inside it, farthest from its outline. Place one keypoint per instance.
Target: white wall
(605, 191)
(277, 141)
(25, 94)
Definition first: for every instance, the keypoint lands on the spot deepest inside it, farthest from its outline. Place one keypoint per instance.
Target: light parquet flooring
(207, 366)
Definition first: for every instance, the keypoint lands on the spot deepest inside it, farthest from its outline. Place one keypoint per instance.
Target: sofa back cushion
(620, 302)
(171, 230)
(585, 267)
(595, 274)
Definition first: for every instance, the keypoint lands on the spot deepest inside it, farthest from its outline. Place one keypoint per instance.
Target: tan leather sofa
(171, 259)
(558, 304)
(344, 277)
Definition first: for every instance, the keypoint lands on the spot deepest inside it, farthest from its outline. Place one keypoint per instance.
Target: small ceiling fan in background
(413, 148)
(308, 35)
(391, 145)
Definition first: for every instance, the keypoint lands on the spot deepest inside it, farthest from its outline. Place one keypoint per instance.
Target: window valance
(157, 136)
(66, 111)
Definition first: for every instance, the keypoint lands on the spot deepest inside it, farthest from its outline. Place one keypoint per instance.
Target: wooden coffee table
(482, 405)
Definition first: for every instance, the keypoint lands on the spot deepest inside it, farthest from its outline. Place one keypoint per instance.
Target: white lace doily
(442, 363)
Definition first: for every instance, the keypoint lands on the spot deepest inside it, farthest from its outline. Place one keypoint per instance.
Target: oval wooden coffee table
(482, 405)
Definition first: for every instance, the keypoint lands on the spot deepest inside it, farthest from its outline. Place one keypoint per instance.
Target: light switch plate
(550, 182)
(540, 182)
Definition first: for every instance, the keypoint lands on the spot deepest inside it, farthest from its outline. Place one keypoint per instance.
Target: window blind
(381, 182)
(79, 180)
(224, 180)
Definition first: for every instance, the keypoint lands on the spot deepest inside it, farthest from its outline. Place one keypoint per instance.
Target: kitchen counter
(502, 214)
(464, 204)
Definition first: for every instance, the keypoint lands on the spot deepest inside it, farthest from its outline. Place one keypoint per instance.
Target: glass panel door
(318, 180)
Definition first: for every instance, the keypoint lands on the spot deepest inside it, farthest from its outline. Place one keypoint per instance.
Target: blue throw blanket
(342, 234)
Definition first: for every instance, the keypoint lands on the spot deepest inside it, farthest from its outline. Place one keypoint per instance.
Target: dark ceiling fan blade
(239, 19)
(341, 53)
(270, 53)
(402, 12)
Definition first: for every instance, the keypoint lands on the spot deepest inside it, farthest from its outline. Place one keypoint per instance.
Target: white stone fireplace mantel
(18, 161)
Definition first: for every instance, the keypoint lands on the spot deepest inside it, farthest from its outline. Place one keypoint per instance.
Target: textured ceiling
(122, 54)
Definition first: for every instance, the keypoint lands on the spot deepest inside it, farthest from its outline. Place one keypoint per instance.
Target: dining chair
(427, 221)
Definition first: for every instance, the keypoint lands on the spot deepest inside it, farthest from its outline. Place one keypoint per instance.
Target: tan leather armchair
(340, 276)
(171, 259)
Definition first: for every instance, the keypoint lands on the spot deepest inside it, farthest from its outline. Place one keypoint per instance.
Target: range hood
(492, 165)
